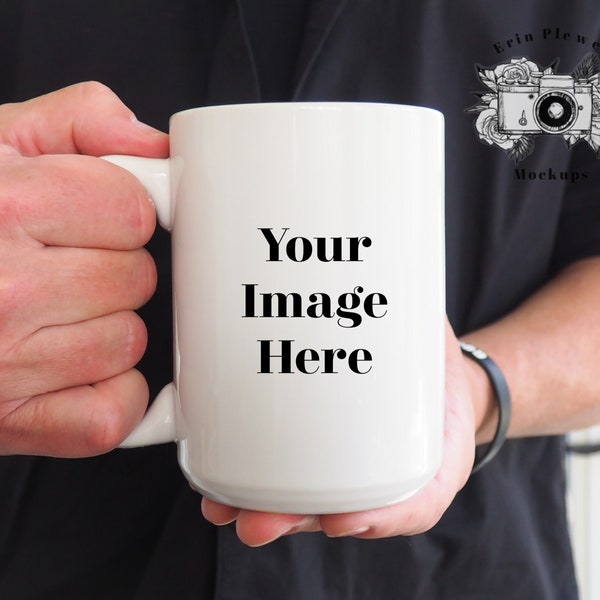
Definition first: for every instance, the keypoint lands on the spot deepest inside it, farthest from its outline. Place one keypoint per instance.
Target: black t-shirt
(126, 525)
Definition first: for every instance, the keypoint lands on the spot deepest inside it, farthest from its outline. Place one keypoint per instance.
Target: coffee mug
(308, 287)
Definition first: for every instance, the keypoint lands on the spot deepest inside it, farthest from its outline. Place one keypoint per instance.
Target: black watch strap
(502, 395)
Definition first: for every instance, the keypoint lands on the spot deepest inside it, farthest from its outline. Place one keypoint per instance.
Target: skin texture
(73, 270)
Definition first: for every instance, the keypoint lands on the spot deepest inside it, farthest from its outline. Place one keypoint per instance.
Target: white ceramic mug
(308, 285)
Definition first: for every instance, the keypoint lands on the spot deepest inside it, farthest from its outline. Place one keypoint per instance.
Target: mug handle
(158, 424)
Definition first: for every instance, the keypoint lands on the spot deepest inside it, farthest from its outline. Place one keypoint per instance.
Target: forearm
(548, 349)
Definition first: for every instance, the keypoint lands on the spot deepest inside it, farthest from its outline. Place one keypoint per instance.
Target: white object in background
(584, 512)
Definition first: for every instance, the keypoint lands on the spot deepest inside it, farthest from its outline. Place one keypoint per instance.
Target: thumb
(85, 118)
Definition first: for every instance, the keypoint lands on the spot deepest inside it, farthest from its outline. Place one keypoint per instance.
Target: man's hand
(546, 347)
(414, 515)
(72, 271)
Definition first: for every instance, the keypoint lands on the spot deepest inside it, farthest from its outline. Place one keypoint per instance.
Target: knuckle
(424, 520)
(135, 339)
(146, 216)
(15, 294)
(116, 280)
(119, 403)
(129, 205)
(106, 427)
(146, 277)
(126, 280)
(16, 428)
(93, 89)
(141, 216)
(108, 346)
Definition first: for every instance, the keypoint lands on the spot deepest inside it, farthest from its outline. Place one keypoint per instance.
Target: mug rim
(309, 105)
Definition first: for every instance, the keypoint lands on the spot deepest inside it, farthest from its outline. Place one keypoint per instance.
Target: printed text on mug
(348, 310)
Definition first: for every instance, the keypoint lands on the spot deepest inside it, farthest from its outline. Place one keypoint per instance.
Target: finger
(58, 286)
(86, 118)
(423, 510)
(74, 201)
(409, 517)
(56, 358)
(76, 422)
(217, 513)
(258, 528)
(6, 150)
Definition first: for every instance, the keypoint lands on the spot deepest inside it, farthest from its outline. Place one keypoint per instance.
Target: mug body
(308, 265)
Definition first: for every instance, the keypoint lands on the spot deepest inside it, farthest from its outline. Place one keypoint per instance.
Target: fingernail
(349, 533)
(306, 524)
(301, 526)
(271, 540)
(145, 127)
(226, 522)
